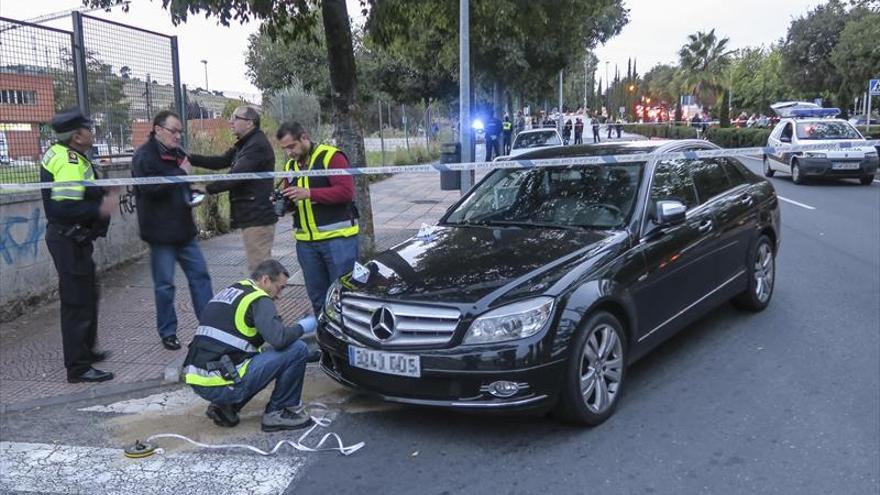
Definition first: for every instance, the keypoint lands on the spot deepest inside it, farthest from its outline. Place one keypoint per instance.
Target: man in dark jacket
(249, 200)
(166, 223)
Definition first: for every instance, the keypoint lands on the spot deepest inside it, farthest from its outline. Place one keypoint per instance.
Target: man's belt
(76, 232)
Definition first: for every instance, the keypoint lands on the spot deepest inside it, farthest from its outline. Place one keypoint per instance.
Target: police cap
(70, 120)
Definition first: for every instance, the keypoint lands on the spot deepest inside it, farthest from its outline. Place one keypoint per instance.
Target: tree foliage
(704, 60)
(856, 57)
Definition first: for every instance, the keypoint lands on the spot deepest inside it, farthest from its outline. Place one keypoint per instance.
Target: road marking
(795, 203)
(43, 468)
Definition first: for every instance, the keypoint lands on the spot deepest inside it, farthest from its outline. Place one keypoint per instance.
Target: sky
(657, 29)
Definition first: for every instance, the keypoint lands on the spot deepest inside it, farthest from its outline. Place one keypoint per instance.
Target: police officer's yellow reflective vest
(225, 328)
(507, 126)
(318, 222)
(65, 164)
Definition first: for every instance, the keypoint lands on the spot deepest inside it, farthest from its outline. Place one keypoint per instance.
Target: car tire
(796, 175)
(762, 277)
(866, 180)
(768, 172)
(603, 376)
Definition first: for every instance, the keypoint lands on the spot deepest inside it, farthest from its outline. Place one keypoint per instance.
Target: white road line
(795, 203)
(44, 468)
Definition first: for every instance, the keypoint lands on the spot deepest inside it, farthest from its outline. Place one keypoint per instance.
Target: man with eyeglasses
(165, 219)
(250, 202)
(76, 215)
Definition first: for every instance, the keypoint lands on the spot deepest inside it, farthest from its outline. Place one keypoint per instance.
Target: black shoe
(171, 343)
(90, 375)
(314, 357)
(223, 415)
(97, 357)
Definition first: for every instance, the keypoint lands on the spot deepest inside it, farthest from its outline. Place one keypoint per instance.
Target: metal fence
(118, 74)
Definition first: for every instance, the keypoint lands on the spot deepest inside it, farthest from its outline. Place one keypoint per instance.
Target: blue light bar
(814, 112)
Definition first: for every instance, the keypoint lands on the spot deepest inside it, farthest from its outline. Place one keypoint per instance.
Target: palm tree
(704, 60)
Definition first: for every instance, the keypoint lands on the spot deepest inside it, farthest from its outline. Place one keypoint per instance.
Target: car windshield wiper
(534, 225)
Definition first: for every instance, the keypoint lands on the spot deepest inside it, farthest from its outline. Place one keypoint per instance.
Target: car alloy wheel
(768, 172)
(764, 273)
(601, 368)
(866, 180)
(762, 276)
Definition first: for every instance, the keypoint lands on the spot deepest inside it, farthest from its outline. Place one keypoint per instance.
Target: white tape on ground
(451, 167)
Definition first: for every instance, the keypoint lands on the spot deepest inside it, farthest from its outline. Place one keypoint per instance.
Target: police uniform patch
(71, 156)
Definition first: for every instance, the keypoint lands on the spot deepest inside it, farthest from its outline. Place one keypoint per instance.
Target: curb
(97, 391)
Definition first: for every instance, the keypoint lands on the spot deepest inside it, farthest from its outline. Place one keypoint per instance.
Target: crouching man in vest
(225, 365)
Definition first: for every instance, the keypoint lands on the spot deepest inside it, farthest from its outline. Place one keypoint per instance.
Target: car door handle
(745, 199)
(705, 226)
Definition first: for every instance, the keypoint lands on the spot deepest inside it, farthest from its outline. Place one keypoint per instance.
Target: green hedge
(734, 137)
(875, 130)
(663, 131)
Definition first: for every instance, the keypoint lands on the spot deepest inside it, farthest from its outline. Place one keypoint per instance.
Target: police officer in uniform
(225, 364)
(76, 216)
(325, 219)
(507, 132)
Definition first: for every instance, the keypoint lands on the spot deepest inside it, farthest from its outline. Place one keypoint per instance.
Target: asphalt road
(784, 401)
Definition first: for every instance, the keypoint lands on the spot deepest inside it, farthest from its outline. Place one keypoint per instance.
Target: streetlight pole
(205, 63)
(464, 90)
(607, 90)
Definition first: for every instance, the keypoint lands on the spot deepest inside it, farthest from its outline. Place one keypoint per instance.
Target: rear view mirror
(670, 212)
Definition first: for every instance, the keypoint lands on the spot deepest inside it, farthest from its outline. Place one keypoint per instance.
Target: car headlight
(815, 154)
(511, 322)
(871, 155)
(333, 304)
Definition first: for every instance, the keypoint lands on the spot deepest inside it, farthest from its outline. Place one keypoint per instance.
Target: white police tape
(454, 167)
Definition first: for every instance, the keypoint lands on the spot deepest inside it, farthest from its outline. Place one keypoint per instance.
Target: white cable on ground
(322, 420)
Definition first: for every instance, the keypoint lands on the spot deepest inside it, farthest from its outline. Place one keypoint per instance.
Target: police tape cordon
(455, 167)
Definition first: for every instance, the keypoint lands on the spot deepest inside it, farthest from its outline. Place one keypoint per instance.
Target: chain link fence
(120, 75)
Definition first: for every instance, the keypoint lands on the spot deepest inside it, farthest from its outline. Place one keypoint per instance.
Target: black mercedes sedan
(542, 284)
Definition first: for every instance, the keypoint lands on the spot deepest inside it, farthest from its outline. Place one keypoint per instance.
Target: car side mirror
(670, 212)
(785, 139)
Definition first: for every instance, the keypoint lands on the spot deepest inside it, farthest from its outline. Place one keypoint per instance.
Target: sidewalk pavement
(31, 362)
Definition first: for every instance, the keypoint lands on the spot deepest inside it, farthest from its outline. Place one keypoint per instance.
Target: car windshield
(826, 130)
(536, 140)
(589, 196)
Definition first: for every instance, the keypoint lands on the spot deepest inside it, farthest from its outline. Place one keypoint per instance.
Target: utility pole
(559, 121)
(405, 133)
(464, 90)
(205, 63)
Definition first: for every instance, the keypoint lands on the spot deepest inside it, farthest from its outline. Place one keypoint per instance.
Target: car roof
(535, 131)
(810, 120)
(614, 148)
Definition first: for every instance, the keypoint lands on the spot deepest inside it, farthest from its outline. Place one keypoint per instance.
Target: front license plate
(845, 166)
(385, 362)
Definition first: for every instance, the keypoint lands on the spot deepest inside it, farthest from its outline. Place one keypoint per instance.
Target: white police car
(806, 123)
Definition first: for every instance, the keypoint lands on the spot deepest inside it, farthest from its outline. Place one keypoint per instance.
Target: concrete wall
(27, 272)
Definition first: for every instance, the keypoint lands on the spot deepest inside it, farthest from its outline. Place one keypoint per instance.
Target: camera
(279, 203)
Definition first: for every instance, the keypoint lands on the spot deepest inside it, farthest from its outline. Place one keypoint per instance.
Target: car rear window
(537, 140)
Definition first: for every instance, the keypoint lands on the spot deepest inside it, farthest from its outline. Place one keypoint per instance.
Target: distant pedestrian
(507, 135)
(76, 216)
(609, 126)
(165, 221)
(493, 137)
(566, 132)
(619, 127)
(595, 125)
(249, 200)
(578, 131)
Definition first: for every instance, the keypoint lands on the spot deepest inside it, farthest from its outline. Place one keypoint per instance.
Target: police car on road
(804, 123)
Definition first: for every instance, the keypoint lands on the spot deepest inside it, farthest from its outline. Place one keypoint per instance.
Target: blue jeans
(323, 262)
(286, 366)
(163, 257)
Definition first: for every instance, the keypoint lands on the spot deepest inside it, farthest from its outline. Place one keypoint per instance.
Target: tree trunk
(348, 133)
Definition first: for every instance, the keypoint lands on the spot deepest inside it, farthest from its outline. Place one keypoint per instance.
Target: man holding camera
(325, 219)
(165, 220)
(249, 199)
(76, 216)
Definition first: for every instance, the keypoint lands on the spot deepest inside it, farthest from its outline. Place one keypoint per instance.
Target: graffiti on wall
(127, 202)
(18, 242)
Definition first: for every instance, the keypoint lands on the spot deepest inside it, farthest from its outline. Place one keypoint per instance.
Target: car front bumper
(452, 378)
(823, 167)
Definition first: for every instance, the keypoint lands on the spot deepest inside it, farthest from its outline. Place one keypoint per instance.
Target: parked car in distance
(541, 285)
(533, 139)
(858, 162)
